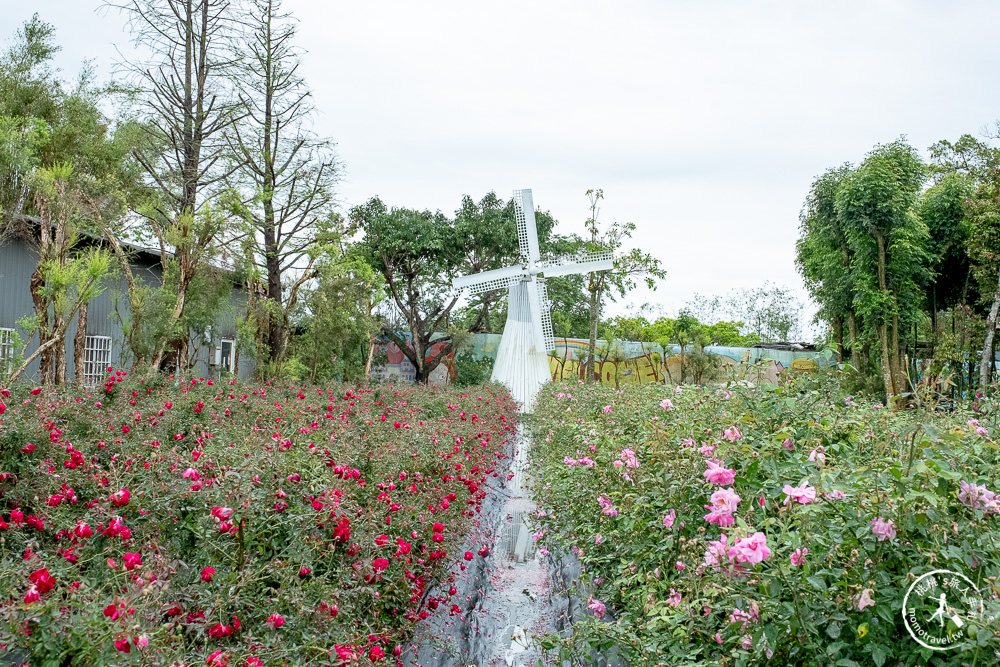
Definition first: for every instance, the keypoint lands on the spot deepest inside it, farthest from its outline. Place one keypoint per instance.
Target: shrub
(752, 525)
(146, 525)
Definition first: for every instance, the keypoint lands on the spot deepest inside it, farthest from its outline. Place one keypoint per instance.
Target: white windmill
(522, 361)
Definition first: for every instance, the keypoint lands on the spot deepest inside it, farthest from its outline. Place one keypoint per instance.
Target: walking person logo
(938, 607)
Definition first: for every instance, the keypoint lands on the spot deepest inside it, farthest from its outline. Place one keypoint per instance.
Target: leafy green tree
(943, 208)
(823, 256)
(417, 253)
(62, 163)
(769, 312)
(285, 174)
(187, 105)
(875, 204)
(976, 164)
(63, 281)
(336, 322)
(618, 281)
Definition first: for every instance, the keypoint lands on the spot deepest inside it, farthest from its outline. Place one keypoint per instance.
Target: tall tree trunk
(986, 360)
(888, 366)
(175, 315)
(895, 349)
(57, 336)
(886, 363)
(838, 335)
(80, 348)
(852, 330)
(368, 359)
(42, 313)
(59, 354)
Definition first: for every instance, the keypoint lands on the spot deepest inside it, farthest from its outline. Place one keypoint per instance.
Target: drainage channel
(507, 595)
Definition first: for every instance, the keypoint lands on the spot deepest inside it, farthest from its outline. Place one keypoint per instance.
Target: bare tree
(286, 173)
(187, 107)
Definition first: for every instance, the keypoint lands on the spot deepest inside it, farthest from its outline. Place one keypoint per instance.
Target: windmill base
(521, 365)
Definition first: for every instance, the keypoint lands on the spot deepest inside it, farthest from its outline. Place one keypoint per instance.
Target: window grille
(96, 359)
(6, 350)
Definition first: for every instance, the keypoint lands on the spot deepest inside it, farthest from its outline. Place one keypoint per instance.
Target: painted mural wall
(628, 362)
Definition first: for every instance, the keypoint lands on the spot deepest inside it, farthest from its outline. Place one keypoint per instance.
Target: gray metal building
(215, 349)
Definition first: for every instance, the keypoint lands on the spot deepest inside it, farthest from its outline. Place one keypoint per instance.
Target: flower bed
(214, 524)
(763, 526)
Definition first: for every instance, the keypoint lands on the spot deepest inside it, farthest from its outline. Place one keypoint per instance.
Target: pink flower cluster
(732, 434)
(722, 505)
(627, 459)
(717, 474)
(606, 506)
(733, 559)
(979, 497)
(884, 529)
(585, 461)
(802, 494)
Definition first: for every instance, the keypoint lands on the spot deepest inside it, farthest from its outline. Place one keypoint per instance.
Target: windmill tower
(522, 361)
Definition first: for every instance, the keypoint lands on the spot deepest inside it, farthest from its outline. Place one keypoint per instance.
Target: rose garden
(256, 411)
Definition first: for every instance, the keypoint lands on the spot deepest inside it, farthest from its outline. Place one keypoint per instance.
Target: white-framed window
(96, 359)
(6, 350)
(224, 354)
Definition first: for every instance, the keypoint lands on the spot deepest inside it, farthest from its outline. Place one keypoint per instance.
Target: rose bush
(205, 523)
(763, 525)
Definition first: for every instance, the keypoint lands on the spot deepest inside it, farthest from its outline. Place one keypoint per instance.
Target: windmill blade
(527, 233)
(582, 263)
(535, 306)
(487, 281)
(548, 336)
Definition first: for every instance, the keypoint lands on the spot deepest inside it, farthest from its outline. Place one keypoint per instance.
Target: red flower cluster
(312, 490)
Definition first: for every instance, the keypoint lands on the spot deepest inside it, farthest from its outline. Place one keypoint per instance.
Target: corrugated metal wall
(18, 260)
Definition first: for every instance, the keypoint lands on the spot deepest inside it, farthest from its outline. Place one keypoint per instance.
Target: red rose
(43, 580)
(120, 498)
(207, 573)
(132, 560)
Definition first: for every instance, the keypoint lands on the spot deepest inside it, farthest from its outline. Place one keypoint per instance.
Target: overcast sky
(704, 122)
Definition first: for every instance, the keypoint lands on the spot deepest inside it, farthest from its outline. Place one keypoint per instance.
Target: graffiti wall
(398, 367)
(621, 363)
(643, 363)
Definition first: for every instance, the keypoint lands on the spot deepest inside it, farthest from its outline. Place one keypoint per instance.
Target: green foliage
(668, 605)
(335, 324)
(208, 486)
(472, 370)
